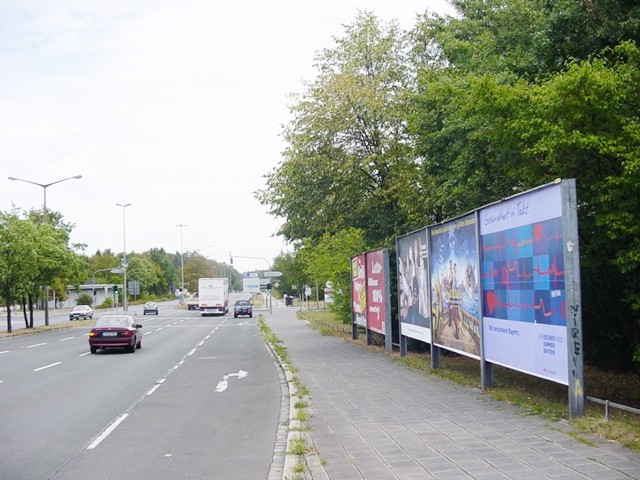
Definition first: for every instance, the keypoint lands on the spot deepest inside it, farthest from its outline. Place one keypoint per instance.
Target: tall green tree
(328, 260)
(494, 117)
(348, 158)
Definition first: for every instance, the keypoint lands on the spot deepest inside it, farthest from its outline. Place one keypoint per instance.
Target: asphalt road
(201, 399)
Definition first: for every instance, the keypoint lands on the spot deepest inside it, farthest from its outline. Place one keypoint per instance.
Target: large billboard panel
(376, 278)
(523, 283)
(414, 309)
(455, 286)
(358, 290)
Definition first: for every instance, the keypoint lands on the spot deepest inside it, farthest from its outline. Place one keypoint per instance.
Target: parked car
(84, 311)
(242, 307)
(150, 307)
(115, 331)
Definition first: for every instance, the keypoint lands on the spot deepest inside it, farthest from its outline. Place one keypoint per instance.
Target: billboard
(414, 310)
(455, 286)
(523, 283)
(376, 278)
(358, 290)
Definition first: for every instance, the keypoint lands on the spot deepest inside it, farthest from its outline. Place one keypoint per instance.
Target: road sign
(271, 274)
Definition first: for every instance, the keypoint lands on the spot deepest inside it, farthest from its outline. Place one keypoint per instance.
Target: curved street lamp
(44, 186)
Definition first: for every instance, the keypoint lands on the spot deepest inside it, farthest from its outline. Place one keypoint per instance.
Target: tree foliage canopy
(401, 130)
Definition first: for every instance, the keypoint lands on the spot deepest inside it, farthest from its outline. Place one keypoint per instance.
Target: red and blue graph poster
(523, 284)
(358, 290)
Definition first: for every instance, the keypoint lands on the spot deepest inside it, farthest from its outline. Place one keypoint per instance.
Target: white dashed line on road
(47, 366)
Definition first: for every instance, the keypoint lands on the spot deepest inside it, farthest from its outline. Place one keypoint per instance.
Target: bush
(106, 304)
(84, 299)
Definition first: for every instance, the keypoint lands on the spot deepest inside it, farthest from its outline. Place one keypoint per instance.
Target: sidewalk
(374, 419)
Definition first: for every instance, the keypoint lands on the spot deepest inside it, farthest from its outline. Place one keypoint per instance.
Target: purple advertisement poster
(523, 283)
(414, 308)
(455, 286)
(358, 290)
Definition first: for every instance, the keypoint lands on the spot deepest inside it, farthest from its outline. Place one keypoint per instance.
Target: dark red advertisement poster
(375, 290)
(358, 290)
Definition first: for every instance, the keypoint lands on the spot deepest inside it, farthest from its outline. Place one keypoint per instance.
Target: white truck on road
(213, 296)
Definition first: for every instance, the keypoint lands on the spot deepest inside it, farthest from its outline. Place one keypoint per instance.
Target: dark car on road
(242, 307)
(115, 331)
(150, 307)
(81, 311)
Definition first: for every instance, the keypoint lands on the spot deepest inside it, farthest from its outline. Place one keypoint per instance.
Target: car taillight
(126, 333)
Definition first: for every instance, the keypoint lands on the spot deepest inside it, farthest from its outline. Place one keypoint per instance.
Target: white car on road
(84, 311)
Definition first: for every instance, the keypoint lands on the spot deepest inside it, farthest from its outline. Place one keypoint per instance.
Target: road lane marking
(47, 366)
(65, 339)
(107, 431)
(223, 384)
(156, 386)
(147, 333)
(4, 351)
(84, 354)
(36, 345)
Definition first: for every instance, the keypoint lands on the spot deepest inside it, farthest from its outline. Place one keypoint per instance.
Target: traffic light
(268, 286)
(115, 288)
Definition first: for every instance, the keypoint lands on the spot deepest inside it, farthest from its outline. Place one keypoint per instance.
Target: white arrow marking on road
(223, 384)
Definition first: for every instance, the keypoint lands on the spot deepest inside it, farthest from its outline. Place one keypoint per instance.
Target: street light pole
(125, 264)
(231, 257)
(181, 226)
(45, 216)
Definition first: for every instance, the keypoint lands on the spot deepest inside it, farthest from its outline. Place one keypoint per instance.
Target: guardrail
(607, 404)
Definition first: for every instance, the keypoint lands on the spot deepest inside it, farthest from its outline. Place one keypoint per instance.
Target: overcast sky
(175, 107)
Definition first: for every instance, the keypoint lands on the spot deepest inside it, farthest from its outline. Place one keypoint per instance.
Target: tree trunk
(31, 305)
(30, 311)
(7, 302)
(24, 312)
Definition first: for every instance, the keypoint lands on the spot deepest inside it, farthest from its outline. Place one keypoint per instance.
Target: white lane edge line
(107, 431)
(156, 386)
(47, 366)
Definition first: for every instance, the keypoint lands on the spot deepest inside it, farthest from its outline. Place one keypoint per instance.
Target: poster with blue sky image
(455, 287)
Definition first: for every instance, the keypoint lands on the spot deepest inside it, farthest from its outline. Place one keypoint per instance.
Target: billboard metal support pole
(574, 302)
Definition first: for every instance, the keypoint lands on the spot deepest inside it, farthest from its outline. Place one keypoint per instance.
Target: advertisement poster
(524, 298)
(414, 308)
(358, 290)
(455, 286)
(375, 274)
